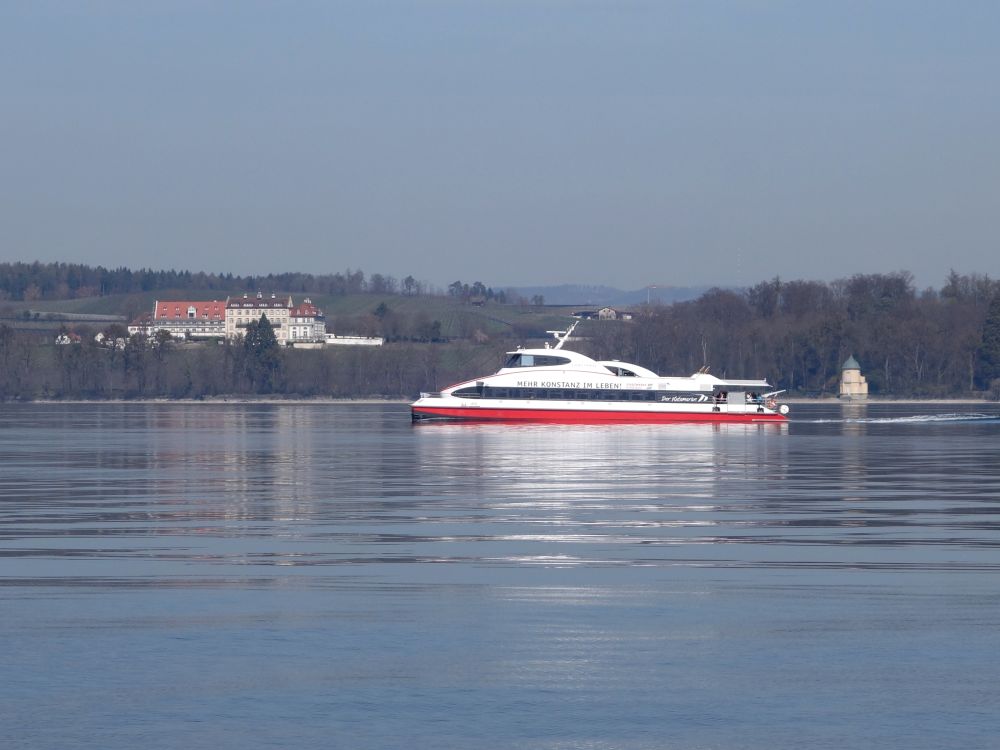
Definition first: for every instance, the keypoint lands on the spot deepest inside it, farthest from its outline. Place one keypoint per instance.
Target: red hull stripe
(591, 417)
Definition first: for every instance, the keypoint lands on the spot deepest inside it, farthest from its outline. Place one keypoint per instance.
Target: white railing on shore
(336, 340)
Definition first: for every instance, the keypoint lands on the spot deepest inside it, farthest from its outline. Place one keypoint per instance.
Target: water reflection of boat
(556, 385)
(615, 463)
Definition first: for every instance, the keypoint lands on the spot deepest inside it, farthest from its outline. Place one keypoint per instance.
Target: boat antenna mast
(563, 336)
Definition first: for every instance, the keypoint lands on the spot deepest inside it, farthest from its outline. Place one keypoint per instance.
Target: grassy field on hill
(345, 313)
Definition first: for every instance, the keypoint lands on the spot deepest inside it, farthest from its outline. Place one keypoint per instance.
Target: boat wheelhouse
(556, 385)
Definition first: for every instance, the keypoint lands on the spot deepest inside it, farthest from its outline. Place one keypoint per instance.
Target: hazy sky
(585, 141)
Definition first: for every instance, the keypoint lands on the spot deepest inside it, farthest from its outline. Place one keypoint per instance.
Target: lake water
(328, 575)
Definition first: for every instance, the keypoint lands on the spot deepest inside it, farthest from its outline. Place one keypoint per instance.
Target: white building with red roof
(189, 318)
(306, 323)
(303, 323)
(241, 311)
(142, 325)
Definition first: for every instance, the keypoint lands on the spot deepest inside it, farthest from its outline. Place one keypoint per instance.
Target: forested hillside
(59, 281)
(31, 282)
(932, 343)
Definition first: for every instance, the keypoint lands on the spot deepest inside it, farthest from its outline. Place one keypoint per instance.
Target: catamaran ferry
(556, 385)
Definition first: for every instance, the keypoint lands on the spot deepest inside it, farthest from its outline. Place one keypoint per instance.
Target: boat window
(519, 359)
(642, 395)
(575, 394)
(549, 361)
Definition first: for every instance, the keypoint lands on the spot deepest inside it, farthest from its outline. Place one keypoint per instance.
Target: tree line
(796, 334)
(30, 282)
(33, 367)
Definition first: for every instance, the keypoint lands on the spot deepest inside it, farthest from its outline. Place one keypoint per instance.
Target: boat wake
(912, 419)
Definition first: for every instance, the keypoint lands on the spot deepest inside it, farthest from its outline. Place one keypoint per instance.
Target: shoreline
(218, 400)
(885, 401)
(368, 401)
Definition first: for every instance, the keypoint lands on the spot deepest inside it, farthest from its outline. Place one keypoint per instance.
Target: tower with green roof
(852, 383)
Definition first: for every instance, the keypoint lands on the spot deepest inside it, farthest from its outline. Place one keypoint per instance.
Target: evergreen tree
(262, 356)
(989, 349)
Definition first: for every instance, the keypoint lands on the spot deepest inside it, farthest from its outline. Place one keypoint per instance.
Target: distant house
(141, 325)
(607, 313)
(110, 343)
(68, 338)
